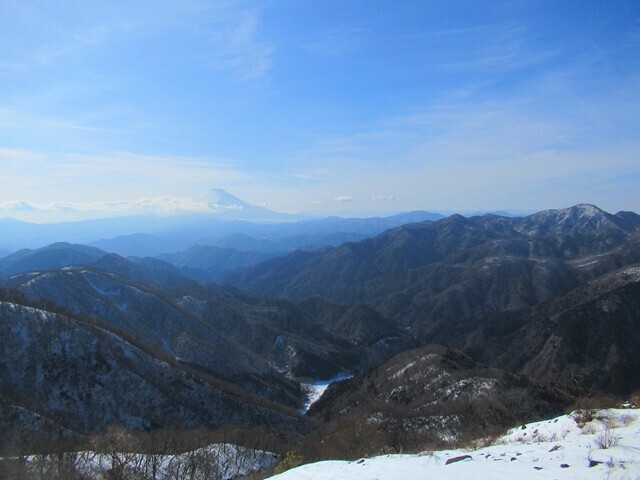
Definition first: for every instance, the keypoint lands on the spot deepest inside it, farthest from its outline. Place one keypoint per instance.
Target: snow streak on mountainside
(315, 390)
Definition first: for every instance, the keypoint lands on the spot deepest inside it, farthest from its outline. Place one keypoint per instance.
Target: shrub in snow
(607, 438)
(583, 416)
(292, 459)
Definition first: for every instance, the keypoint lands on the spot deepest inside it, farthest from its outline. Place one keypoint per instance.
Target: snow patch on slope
(316, 389)
(220, 461)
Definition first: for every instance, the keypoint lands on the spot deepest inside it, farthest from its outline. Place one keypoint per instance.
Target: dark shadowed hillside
(587, 338)
(62, 374)
(449, 281)
(54, 256)
(431, 396)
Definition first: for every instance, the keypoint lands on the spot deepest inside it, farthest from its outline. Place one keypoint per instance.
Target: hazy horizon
(319, 107)
(170, 207)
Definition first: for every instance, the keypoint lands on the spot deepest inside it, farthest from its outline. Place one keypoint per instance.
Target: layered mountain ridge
(92, 378)
(459, 281)
(544, 307)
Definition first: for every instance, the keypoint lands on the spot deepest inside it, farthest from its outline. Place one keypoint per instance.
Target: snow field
(568, 447)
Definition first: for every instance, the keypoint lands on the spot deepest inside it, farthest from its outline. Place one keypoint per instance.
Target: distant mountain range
(220, 220)
(531, 312)
(254, 237)
(213, 209)
(148, 313)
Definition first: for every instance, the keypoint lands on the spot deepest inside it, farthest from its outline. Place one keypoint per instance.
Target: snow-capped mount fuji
(219, 199)
(221, 203)
(216, 201)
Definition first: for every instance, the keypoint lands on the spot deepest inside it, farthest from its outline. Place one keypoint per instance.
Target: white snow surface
(561, 448)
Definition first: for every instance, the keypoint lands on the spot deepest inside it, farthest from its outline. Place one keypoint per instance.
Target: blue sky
(322, 106)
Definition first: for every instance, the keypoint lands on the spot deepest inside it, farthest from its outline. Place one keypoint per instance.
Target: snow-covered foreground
(568, 447)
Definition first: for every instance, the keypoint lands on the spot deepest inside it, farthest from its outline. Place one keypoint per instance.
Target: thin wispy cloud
(503, 58)
(158, 205)
(339, 41)
(471, 150)
(233, 44)
(17, 206)
(7, 154)
(489, 30)
(490, 48)
(10, 118)
(73, 175)
(64, 44)
(383, 198)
